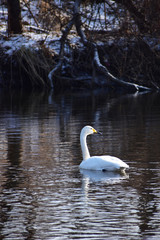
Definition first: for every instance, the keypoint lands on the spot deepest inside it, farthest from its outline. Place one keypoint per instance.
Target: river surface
(44, 195)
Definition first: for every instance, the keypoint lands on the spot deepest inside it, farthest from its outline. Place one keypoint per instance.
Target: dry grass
(34, 66)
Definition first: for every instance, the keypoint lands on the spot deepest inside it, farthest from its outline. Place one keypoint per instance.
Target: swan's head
(87, 130)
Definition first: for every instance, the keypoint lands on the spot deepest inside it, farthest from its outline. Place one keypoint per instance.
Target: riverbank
(26, 60)
(73, 57)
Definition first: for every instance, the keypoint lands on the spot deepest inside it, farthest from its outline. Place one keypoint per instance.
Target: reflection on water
(103, 176)
(44, 195)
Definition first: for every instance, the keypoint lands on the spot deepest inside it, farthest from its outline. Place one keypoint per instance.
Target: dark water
(44, 195)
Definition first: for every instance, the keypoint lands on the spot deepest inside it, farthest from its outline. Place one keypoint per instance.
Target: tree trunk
(138, 16)
(14, 17)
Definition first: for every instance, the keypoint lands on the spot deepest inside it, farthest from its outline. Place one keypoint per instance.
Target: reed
(34, 65)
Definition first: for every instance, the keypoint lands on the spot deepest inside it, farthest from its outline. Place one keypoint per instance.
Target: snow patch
(15, 43)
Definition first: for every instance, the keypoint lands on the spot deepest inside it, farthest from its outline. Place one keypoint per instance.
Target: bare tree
(14, 17)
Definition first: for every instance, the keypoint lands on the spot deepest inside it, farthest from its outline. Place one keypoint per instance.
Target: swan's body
(102, 163)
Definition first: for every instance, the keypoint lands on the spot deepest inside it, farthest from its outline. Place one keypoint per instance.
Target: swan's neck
(85, 151)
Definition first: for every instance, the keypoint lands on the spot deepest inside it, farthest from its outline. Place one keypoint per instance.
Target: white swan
(102, 163)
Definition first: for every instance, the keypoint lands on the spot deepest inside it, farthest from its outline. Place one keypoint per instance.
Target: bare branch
(76, 20)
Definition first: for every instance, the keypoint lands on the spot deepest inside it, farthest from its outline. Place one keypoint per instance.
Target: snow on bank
(28, 40)
(15, 43)
(32, 35)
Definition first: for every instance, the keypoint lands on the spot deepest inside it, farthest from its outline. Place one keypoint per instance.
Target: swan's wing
(103, 163)
(114, 162)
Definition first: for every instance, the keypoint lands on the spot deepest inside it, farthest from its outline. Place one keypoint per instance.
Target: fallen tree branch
(99, 67)
(102, 69)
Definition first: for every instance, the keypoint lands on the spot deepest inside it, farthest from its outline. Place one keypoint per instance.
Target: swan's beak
(95, 131)
(99, 133)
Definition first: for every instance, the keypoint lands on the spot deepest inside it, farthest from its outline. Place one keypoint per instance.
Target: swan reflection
(105, 177)
(99, 176)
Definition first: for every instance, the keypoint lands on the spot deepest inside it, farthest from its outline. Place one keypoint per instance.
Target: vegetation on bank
(80, 44)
